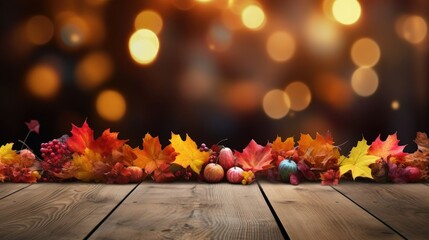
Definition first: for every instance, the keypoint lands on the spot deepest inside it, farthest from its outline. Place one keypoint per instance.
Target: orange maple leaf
(388, 149)
(286, 145)
(188, 154)
(318, 152)
(107, 142)
(153, 158)
(255, 157)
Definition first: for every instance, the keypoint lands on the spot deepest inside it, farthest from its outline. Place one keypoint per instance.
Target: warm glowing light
(231, 20)
(276, 104)
(280, 46)
(111, 105)
(203, 1)
(148, 19)
(364, 81)
(93, 70)
(74, 30)
(143, 46)
(365, 52)
(184, 4)
(219, 38)
(412, 28)
(299, 95)
(327, 8)
(395, 105)
(323, 37)
(243, 96)
(346, 12)
(334, 91)
(39, 29)
(43, 81)
(196, 84)
(253, 17)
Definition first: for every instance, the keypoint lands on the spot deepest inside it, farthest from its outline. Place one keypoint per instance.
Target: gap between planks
(8, 189)
(403, 207)
(58, 210)
(312, 211)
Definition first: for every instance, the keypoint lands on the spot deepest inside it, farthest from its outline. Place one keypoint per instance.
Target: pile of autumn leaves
(109, 159)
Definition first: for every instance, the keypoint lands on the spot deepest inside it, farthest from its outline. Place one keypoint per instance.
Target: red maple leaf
(107, 142)
(255, 157)
(81, 138)
(388, 149)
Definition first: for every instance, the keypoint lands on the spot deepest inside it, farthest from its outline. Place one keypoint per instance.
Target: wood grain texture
(404, 207)
(58, 211)
(9, 188)
(191, 211)
(312, 211)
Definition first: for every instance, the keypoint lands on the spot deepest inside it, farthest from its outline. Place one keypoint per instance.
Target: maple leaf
(388, 149)
(188, 153)
(81, 138)
(358, 161)
(319, 153)
(152, 156)
(83, 166)
(255, 157)
(7, 154)
(422, 142)
(278, 145)
(33, 126)
(107, 142)
(163, 174)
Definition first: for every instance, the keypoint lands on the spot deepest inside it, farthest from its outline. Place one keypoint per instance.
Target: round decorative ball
(286, 168)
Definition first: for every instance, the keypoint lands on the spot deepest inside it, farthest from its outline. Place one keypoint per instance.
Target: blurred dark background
(354, 68)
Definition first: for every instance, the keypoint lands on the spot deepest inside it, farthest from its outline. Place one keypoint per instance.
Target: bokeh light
(276, 104)
(184, 5)
(149, 19)
(39, 29)
(74, 30)
(243, 96)
(111, 105)
(412, 28)
(395, 105)
(323, 37)
(280, 46)
(143, 46)
(219, 38)
(365, 52)
(43, 81)
(346, 12)
(334, 91)
(253, 17)
(364, 81)
(299, 95)
(93, 70)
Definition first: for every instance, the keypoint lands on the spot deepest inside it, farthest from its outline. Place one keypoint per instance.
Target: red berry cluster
(55, 153)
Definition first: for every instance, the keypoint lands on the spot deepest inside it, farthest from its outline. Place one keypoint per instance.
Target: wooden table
(261, 210)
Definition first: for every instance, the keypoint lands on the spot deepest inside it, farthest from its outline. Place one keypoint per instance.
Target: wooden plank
(191, 211)
(9, 188)
(312, 211)
(404, 207)
(58, 211)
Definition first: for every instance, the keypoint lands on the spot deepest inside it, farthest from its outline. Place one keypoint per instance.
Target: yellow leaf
(83, 165)
(7, 154)
(358, 161)
(188, 153)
